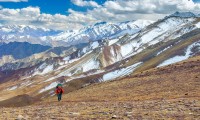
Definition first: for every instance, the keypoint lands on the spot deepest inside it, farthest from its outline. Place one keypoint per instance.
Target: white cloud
(110, 11)
(13, 0)
(83, 3)
(32, 16)
(122, 10)
(151, 6)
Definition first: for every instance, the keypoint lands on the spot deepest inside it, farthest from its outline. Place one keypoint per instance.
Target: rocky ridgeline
(156, 109)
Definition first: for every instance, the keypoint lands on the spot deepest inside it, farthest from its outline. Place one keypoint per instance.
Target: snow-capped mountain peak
(183, 14)
(98, 31)
(140, 23)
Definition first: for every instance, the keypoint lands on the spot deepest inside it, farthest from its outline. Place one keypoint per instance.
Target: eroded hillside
(170, 92)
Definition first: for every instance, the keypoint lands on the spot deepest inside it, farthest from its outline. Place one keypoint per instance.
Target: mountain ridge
(169, 40)
(53, 38)
(21, 50)
(183, 14)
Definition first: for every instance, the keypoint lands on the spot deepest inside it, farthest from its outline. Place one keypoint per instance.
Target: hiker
(59, 91)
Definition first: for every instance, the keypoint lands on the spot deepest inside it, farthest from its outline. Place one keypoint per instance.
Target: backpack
(59, 90)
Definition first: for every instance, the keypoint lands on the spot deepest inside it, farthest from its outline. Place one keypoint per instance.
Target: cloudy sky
(75, 14)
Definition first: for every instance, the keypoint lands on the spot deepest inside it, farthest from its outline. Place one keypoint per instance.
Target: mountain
(22, 33)
(21, 50)
(159, 93)
(35, 59)
(183, 14)
(6, 59)
(167, 41)
(53, 38)
(99, 31)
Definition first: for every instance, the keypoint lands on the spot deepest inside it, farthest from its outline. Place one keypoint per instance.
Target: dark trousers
(59, 96)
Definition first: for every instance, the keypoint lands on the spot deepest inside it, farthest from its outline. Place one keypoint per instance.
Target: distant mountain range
(21, 50)
(101, 52)
(99, 31)
(183, 14)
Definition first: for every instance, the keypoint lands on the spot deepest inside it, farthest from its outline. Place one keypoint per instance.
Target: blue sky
(196, 0)
(75, 14)
(50, 7)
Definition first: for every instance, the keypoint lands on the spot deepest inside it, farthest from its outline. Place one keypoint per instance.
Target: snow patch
(164, 50)
(82, 76)
(173, 60)
(198, 25)
(89, 65)
(84, 49)
(121, 72)
(134, 35)
(27, 83)
(52, 78)
(74, 60)
(12, 88)
(143, 23)
(131, 48)
(47, 69)
(126, 49)
(21, 36)
(94, 45)
(66, 58)
(180, 58)
(6, 30)
(113, 41)
(52, 85)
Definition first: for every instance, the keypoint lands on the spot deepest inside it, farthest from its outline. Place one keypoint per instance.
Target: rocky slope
(153, 109)
(159, 93)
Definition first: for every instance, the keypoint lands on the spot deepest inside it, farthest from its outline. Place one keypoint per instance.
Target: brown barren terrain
(171, 92)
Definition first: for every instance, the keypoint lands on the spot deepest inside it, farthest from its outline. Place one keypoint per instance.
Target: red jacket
(59, 90)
